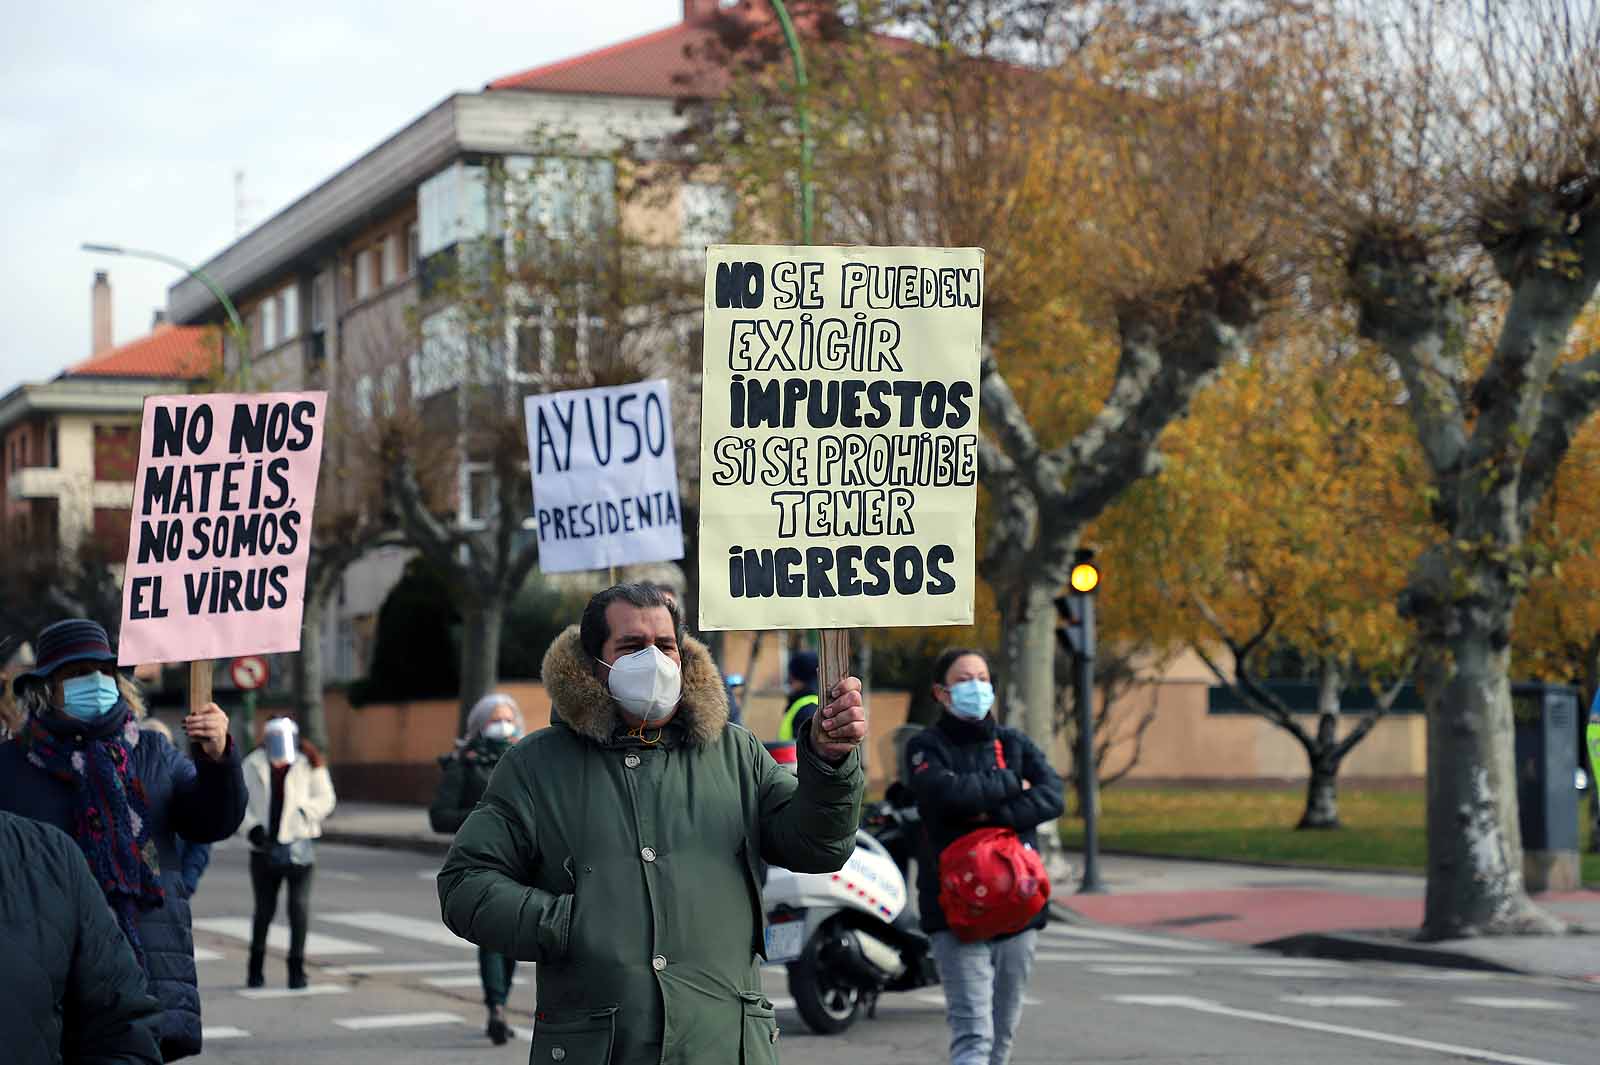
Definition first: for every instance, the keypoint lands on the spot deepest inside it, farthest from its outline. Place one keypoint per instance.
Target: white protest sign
(605, 479)
(839, 442)
(221, 528)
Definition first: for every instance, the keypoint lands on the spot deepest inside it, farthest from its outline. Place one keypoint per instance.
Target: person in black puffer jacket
(494, 724)
(969, 772)
(73, 992)
(81, 763)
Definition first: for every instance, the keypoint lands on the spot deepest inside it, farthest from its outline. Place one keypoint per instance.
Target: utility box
(1545, 717)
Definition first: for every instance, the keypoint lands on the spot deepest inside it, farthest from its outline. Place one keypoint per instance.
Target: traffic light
(1076, 609)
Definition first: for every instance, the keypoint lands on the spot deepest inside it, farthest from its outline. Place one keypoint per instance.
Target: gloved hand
(258, 836)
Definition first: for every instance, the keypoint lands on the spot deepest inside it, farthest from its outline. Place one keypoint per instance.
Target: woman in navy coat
(80, 762)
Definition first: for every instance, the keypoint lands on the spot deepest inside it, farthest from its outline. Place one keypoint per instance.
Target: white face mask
(646, 684)
(500, 730)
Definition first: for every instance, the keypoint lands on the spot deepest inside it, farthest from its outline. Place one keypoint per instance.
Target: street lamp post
(241, 337)
(802, 117)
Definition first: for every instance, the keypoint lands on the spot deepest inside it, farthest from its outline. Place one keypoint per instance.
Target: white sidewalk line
(404, 967)
(1514, 1003)
(1111, 935)
(303, 992)
(398, 1020)
(1201, 1005)
(1242, 960)
(222, 1031)
(317, 945)
(1351, 1002)
(393, 924)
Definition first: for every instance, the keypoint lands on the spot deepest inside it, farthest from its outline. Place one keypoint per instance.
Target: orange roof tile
(659, 64)
(178, 351)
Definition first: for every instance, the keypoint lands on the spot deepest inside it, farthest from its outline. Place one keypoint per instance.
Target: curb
(415, 844)
(1258, 863)
(1349, 947)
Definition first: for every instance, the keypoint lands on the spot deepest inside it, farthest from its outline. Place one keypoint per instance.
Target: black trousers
(265, 879)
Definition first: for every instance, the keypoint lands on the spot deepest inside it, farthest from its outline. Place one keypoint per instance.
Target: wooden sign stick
(199, 685)
(833, 664)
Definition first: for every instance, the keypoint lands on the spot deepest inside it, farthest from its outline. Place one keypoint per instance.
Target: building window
(442, 362)
(705, 215)
(391, 260)
(364, 273)
(452, 206)
(477, 494)
(116, 452)
(364, 397)
(289, 312)
(111, 526)
(413, 235)
(390, 389)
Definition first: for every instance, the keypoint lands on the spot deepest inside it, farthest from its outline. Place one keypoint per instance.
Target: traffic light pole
(1088, 783)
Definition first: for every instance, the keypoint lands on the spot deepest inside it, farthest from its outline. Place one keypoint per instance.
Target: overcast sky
(123, 122)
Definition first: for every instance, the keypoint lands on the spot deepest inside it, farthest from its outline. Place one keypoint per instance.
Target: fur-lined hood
(588, 709)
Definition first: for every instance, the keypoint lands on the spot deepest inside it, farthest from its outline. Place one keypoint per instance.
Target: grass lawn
(1383, 829)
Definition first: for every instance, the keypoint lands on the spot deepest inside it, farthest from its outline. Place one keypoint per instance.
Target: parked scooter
(850, 936)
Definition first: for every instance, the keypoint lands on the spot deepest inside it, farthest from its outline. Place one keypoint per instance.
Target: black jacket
(959, 785)
(466, 777)
(70, 989)
(202, 801)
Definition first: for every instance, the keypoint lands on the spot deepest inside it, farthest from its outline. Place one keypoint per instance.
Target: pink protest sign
(221, 526)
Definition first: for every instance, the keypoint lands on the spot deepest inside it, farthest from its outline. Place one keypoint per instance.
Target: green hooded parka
(624, 864)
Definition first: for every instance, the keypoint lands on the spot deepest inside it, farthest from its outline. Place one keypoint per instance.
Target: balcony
(37, 482)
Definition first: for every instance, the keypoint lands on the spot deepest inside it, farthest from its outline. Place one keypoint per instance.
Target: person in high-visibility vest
(802, 695)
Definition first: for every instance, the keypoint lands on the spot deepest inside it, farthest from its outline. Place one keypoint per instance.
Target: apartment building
(327, 285)
(69, 446)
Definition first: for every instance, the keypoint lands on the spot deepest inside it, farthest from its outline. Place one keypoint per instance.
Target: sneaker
(498, 1031)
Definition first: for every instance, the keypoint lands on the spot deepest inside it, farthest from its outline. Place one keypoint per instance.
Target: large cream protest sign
(839, 460)
(221, 528)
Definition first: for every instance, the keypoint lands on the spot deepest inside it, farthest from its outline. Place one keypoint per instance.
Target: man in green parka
(618, 848)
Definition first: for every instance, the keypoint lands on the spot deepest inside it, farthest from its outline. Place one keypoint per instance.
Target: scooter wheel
(826, 1003)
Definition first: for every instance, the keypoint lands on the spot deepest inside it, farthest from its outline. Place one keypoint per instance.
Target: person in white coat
(291, 794)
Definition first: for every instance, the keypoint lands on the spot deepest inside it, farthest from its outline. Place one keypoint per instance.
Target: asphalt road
(391, 986)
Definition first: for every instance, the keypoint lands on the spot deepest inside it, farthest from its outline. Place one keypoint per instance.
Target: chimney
(101, 310)
(158, 318)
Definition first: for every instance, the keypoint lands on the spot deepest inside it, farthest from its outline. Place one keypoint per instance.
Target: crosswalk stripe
(202, 954)
(301, 992)
(1243, 960)
(393, 924)
(404, 967)
(1356, 1002)
(1138, 970)
(317, 944)
(453, 981)
(1509, 1003)
(397, 1020)
(1111, 935)
(222, 1032)
(1281, 973)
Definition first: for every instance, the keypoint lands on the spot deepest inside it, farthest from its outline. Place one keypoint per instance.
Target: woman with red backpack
(982, 789)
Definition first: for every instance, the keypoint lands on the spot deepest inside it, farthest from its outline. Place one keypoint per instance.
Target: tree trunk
(1012, 632)
(308, 674)
(1037, 683)
(1475, 882)
(1322, 796)
(1322, 790)
(480, 652)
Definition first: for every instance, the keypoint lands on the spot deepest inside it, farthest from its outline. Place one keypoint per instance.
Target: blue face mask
(90, 697)
(971, 699)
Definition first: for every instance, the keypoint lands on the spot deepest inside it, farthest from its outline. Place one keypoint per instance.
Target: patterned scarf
(110, 818)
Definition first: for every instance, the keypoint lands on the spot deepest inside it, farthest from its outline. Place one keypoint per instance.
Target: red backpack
(990, 882)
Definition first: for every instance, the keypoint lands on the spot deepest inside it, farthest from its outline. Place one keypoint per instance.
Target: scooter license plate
(785, 941)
